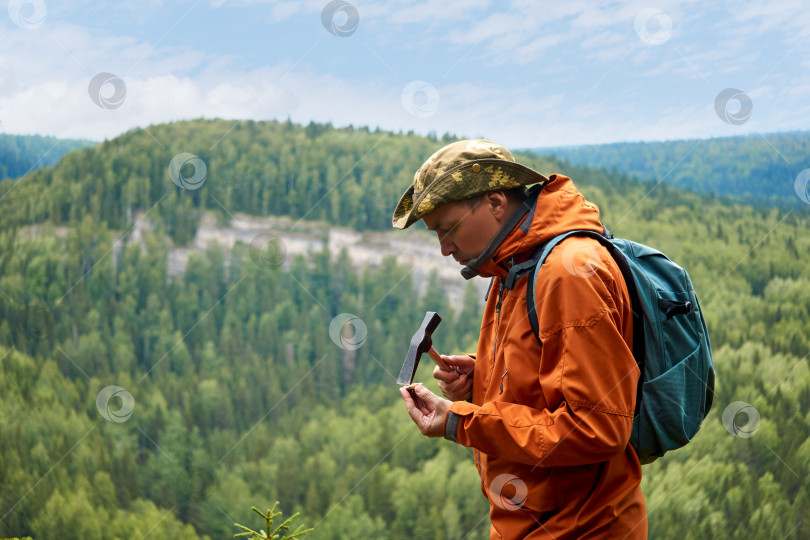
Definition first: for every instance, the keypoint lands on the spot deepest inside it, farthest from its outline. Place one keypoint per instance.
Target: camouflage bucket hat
(459, 171)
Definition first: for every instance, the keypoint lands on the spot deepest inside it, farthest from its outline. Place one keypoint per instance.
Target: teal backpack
(670, 342)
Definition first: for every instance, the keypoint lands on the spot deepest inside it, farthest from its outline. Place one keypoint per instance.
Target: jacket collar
(551, 209)
(479, 265)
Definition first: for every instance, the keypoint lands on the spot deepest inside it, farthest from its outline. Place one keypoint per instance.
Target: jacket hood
(553, 208)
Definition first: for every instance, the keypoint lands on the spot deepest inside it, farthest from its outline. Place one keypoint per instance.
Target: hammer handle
(438, 359)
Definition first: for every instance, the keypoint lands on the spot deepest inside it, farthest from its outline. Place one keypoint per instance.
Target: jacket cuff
(454, 423)
(451, 426)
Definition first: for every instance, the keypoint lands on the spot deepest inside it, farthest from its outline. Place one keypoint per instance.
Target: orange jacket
(551, 423)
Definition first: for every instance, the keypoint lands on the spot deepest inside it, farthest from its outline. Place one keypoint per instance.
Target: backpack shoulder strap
(629, 280)
(536, 262)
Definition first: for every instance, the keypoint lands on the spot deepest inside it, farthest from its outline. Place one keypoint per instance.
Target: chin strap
(528, 205)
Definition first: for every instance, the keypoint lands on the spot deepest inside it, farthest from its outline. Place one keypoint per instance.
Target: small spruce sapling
(279, 533)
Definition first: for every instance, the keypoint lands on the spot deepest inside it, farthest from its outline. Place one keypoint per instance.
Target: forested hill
(347, 176)
(759, 169)
(20, 154)
(138, 404)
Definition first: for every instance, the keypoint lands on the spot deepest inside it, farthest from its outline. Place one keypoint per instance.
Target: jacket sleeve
(589, 391)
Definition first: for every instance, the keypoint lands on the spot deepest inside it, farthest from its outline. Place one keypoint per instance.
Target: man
(547, 413)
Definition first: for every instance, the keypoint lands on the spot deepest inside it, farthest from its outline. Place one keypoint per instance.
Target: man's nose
(448, 248)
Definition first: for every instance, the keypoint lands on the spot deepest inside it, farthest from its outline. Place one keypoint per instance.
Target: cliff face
(416, 249)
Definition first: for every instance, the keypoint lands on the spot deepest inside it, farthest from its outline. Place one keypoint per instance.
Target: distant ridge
(758, 169)
(20, 154)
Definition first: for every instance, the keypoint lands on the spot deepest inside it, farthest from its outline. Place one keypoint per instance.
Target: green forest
(135, 404)
(757, 168)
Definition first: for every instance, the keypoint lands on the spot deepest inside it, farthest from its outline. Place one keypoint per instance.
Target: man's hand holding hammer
(456, 384)
(428, 410)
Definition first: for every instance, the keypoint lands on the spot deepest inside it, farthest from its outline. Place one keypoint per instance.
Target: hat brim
(464, 181)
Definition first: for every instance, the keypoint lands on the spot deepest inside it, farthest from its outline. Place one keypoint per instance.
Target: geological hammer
(421, 342)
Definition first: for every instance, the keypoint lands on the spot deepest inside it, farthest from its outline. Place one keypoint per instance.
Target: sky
(523, 73)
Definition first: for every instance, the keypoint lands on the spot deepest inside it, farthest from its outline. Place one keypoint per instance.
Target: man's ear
(497, 203)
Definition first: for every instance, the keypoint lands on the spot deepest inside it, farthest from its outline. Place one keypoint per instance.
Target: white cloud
(773, 16)
(435, 13)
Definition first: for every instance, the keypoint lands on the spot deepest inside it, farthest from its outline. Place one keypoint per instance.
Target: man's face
(464, 232)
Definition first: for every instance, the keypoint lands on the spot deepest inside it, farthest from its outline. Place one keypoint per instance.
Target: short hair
(516, 194)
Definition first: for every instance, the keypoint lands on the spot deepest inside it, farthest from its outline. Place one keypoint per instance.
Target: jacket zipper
(498, 313)
(501, 287)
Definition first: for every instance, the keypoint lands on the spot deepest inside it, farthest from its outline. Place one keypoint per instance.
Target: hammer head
(421, 342)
